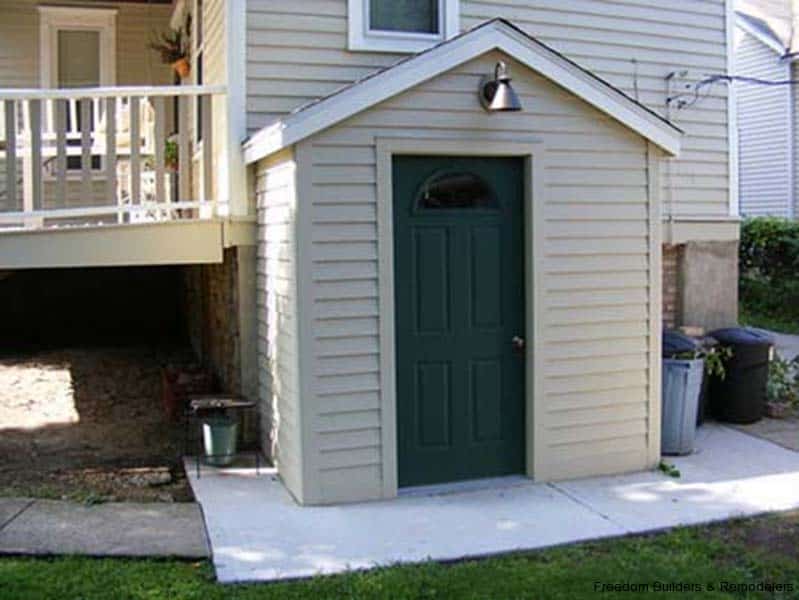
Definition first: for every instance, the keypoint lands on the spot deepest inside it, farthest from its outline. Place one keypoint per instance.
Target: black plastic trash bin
(741, 396)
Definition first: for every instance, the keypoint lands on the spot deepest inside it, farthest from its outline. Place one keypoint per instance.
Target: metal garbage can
(741, 396)
(681, 385)
(220, 437)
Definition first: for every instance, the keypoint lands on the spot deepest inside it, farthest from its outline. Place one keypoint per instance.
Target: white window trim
(362, 38)
(196, 51)
(53, 19)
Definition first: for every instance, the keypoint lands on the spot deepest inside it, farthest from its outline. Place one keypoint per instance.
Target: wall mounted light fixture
(497, 94)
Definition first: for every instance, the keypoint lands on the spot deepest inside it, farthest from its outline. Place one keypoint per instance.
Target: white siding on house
(765, 132)
(297, 51)
(794, 99)
(276, 301)
(137, 23)
(596, 297)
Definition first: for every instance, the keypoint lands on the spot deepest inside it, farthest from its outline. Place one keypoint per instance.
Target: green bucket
(220, 435)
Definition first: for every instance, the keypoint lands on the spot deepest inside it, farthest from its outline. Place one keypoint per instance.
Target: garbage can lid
(675, 342)
(743, 336)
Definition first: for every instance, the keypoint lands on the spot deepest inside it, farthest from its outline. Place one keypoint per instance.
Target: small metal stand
(208, 404)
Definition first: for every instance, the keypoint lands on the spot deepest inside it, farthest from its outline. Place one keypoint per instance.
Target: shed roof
(497, 34)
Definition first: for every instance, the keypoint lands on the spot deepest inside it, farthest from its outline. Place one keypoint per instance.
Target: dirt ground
(88, 425)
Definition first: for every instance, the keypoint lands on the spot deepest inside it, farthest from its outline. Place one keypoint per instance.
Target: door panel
(459, 293)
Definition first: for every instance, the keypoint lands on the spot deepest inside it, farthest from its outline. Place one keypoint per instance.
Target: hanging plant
(173, 46)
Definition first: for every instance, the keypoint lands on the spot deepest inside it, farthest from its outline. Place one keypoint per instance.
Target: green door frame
(534, 154)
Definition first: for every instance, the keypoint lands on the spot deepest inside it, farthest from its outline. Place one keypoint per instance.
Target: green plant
(783, 381)
(171, 154)
(769, 271)
(172, 45)
(715, 358)
(669, 469)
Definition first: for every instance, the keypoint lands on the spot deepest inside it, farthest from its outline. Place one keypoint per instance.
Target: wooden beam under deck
(173, 243)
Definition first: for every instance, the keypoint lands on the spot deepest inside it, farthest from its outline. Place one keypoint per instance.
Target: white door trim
(535, 156)
(52, 19)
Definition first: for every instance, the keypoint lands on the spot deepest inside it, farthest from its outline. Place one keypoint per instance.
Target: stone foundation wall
(700, 284)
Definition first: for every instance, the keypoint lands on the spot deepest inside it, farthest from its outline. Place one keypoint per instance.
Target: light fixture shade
(497, 94)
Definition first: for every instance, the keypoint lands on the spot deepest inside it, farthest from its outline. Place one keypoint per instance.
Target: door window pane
(415, 16)
(78, 58)
(456, 191)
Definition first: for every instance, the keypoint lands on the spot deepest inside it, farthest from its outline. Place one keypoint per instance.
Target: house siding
(765, 132)
(276, 302)
(597, 297)
(297, 51)
(137, 64)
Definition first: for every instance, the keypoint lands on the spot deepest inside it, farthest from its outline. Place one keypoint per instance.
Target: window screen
(413, 16)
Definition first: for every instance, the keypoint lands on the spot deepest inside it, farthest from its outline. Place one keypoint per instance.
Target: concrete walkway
(258, 533)
(44, 527)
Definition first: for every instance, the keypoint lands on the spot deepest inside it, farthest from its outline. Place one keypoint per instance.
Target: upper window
(401, 25)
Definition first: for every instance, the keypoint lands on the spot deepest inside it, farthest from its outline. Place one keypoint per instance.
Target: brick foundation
(672, 255)
(211, 298)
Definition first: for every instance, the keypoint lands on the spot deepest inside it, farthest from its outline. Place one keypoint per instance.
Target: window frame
(197, 65)
(362, 38)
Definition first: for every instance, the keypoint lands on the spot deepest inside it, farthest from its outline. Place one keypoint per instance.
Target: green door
(459, 294)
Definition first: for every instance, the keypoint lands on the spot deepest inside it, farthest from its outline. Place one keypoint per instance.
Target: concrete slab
(787, 345)
(117, 529)
(258, 533)
(732, 474)
(10, 508)
(784, 432)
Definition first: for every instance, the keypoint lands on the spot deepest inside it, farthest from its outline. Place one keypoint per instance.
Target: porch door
(459, 295)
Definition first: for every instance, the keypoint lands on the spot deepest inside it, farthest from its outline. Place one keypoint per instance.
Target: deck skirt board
(111, 246)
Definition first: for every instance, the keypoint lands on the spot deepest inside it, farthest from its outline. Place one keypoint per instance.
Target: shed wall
(276, 301)
(599, 300)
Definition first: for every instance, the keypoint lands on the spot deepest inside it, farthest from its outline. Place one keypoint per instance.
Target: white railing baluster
(86, 149)
(32, 199)
(160, 139)
(60, 108)
(111, 155)
(11, 153)
(72, 128)
(184, 176)
(135, 152)
(54, 139)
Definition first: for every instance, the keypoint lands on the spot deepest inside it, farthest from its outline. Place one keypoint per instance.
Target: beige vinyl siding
(214, 73)
(297, 51)
(596, 298)
(276, 301)
(764, 132)
(137, 23)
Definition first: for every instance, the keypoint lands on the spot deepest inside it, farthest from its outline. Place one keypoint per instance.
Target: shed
(446, 293)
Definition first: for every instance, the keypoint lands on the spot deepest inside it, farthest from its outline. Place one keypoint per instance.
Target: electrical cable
(688, 99)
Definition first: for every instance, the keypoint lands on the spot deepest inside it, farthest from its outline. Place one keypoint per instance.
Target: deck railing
(106, 155)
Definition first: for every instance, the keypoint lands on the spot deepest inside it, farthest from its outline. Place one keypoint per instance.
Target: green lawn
(755, 318)
(742, 552)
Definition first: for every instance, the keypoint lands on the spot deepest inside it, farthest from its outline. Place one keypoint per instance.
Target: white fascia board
(447, 56)
(771, 42)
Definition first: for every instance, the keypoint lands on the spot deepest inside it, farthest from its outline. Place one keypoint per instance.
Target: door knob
(517, 343)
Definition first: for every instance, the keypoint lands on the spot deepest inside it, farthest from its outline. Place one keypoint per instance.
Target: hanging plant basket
(182, 67)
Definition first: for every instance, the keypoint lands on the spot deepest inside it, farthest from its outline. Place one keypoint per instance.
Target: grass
(742, 552)
(755, 318)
